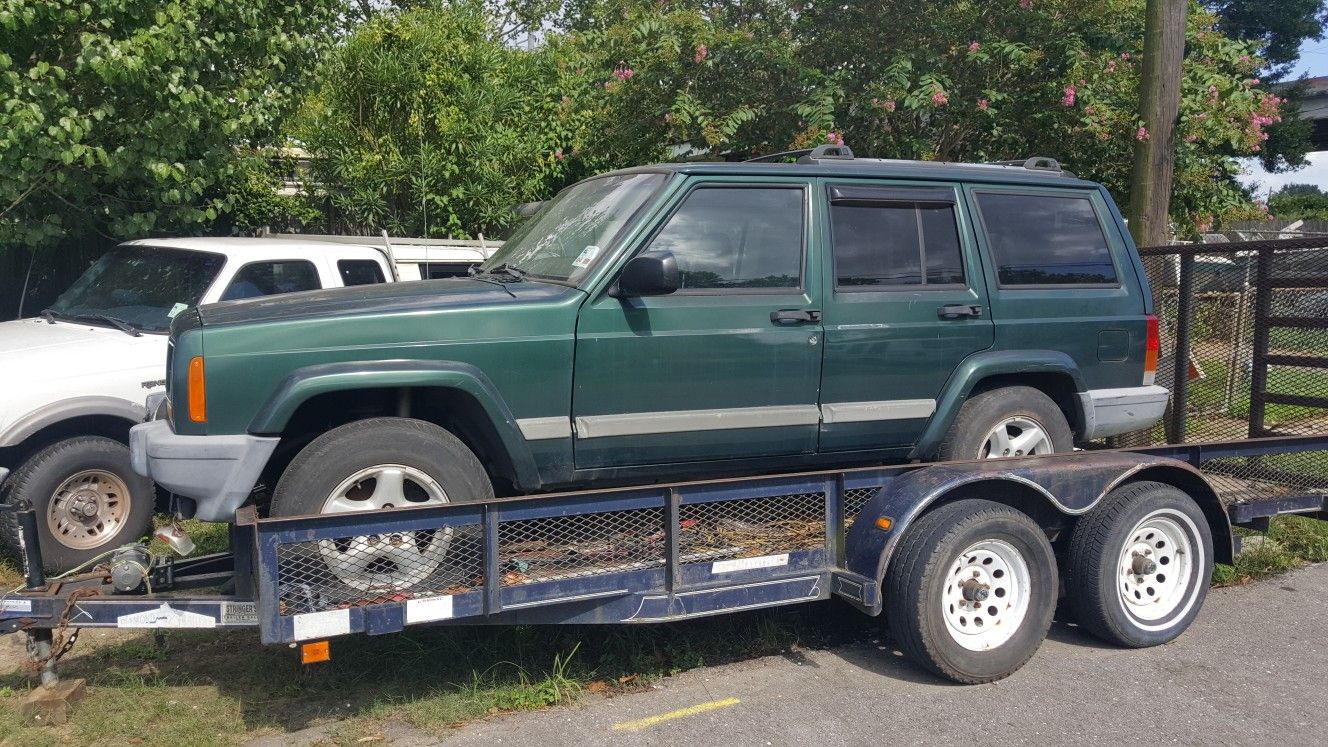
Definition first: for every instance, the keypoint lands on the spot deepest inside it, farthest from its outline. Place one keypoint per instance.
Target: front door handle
(794, 316)
(959, 311)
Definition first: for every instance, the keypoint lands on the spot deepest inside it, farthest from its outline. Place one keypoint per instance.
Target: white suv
(74, 379)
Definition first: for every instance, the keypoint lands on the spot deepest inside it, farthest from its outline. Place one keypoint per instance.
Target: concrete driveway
(1253, 669)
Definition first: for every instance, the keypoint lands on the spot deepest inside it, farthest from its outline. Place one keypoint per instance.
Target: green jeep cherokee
(712, 319)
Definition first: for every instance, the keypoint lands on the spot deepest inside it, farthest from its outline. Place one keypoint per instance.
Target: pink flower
(1025, 4)
(834, 138)
(1141, 134)
(1111, 66)
(938, 98)
(889, 105)
(974, 46)
(1125, 55)
(1244, 59)
(1089, 110)
(1191, 138)
(558, 154)
(702, 52)
(982, 104)
(1252, 82)
(668, 117)
(1068, 98)
(624, 73)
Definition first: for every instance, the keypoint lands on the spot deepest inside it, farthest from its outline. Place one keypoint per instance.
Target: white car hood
(41, 363)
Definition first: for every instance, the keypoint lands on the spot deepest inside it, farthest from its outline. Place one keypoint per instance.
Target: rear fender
(1064, 485)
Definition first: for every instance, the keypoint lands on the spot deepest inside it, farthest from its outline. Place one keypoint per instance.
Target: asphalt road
(1252, 670)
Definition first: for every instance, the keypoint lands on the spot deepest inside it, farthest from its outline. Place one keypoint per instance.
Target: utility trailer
(967, 559)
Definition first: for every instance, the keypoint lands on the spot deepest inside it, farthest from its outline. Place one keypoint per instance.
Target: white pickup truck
(74, 379)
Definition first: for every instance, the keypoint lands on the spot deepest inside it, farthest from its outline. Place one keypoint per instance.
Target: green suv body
(681, 320)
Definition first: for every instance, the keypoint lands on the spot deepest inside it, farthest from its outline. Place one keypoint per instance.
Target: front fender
(982, 365)
(305, 383)
(1069, 484)
(67, 409)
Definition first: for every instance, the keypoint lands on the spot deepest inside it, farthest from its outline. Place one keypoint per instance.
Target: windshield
(144, 286)
(565, 238)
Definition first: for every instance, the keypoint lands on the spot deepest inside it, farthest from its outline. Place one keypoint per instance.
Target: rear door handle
(794, 316)
(959, 311)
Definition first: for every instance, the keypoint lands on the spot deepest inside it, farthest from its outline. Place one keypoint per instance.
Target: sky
(1313, 62)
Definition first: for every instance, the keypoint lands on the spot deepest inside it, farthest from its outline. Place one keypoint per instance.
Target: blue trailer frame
(626, 555)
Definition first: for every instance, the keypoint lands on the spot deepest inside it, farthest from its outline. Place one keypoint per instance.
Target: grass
(204, 688)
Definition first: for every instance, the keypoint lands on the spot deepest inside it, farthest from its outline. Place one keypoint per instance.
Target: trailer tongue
(672, 552)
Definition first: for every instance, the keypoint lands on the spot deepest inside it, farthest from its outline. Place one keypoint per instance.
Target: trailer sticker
(239, 613)
(428, 609)
(15, 605)
(311, 625)
(165, 616)
(747, 564)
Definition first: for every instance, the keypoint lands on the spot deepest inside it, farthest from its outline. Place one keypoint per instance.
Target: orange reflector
(315, 653)
(885, 523)
(197, 391)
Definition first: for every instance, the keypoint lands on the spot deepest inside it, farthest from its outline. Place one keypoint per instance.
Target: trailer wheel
(973, 589)
(1139, 565)
(378, 464)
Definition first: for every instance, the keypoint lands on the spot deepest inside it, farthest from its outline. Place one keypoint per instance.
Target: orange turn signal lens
(885, 523)
(315, 652)
(197, 391)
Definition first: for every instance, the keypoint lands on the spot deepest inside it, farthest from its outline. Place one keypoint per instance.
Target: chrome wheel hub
(393, 561)
(88, 509)
(1015, 437)
(986, 595)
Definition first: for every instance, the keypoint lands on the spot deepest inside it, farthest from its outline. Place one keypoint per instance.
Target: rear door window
(1041, 239)
(270, 278)
(360, 272)
(894, 237)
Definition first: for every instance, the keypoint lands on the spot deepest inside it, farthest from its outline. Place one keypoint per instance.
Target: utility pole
(1159, 105)
(1155, 147)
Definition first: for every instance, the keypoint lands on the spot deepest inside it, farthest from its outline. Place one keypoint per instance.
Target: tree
(123, 118)
(1278, 26)
(1299, 202)
(425, 123)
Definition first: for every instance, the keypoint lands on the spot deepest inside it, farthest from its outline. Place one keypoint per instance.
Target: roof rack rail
(827, 152)
(1036, 163)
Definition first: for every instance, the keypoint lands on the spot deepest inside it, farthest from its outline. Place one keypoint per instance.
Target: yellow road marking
(649, 721)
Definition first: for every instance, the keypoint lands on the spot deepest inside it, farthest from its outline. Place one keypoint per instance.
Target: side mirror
(649, 274)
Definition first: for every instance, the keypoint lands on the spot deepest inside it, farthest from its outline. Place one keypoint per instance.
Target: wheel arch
(1190, 481)
(455, 396)
(85, 416)
(1052, 372)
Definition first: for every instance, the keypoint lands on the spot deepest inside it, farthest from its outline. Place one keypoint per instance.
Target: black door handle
(793, 316)
(959, 311)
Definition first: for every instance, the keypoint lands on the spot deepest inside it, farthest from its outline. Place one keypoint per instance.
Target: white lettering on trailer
(428, 609)
(747, 564)
(311, 625)
(15, 605)
(165, 616)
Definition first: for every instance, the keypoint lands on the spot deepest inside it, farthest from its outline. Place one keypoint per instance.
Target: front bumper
(217, 472)
(1111, 412)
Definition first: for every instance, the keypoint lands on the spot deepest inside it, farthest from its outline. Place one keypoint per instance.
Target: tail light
(197, 391)
(1151, 349)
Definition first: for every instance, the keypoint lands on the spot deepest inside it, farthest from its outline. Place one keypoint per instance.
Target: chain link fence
(1245, 353)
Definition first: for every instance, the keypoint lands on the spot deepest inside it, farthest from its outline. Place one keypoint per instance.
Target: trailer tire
(1139, 565)
(989, 625)
(378, 464)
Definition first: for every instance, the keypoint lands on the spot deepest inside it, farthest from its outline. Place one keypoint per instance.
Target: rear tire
(1012, 421)
(1140, 563)
(973, 589)
(87, 498)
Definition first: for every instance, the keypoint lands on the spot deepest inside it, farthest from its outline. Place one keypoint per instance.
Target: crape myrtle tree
(126, 118)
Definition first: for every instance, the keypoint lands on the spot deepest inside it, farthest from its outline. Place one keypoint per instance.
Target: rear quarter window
(1042, 239)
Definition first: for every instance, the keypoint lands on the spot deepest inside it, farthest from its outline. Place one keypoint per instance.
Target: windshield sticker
(586, 257)
(176, 309)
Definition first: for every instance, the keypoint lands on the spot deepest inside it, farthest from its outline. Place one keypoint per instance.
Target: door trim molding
(684, 421)
(861, 412)
(540, 429)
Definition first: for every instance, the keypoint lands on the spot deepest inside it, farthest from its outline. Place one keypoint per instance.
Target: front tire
(87, 498)
(1140, 563)
(973, 589)
(379, 464)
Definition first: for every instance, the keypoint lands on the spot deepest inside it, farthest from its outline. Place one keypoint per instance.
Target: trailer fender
(310, 381)
(1046, 488)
